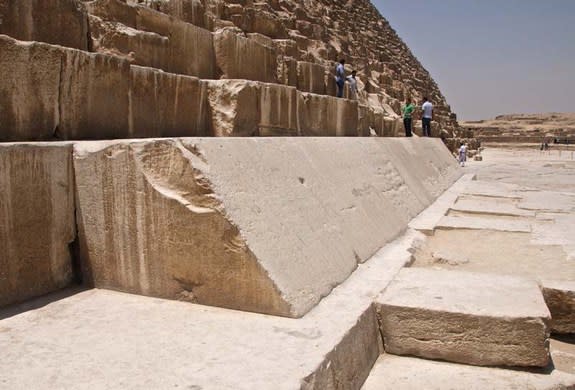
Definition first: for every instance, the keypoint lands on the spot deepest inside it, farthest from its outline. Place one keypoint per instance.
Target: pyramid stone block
(228, 222)
(326, 116)
(167, 105)
(62, 93)
(33, 20)
(36, 219)
(478, 319)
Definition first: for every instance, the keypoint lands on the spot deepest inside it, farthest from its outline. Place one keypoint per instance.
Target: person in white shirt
(426, 117)
(352, 85)
(462, 154)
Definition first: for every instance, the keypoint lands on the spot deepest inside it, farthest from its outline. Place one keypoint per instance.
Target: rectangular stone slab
(36, 219)
(261, 224)
(405, 373)
(481, 223)
(478, 319)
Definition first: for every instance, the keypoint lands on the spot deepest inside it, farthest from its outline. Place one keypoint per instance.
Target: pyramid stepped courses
(243, 79)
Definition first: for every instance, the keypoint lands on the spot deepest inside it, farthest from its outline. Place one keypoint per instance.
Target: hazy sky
(492, 57)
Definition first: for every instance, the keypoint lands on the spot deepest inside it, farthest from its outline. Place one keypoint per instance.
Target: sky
(492, 57)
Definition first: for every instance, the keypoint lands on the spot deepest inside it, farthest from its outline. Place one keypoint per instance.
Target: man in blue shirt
(340, 77)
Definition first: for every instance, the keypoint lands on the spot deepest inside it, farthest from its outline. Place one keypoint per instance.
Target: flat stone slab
(560, 298)
(491, 207)
(101, 339)
(404, 373)
(482, 223)
(471, 318)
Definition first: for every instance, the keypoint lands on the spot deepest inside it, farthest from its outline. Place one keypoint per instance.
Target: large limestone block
(93, 96)
(234, 107)
(29, 104)
(191, 47)
(137, 47)
(478, 319)
(55, 92)
(311, 77)
(36, 219)
(113, 10)
(261, 224)
(560, 298)
(43, 21)
(167, 105)
(152, 38)
(321, 116)
(238, 57)
(278, 108)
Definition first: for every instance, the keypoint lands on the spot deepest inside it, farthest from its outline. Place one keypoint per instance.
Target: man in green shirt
(407, 112)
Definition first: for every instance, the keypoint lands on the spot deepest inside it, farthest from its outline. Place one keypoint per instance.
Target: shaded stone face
(32, 20)
(36, 220)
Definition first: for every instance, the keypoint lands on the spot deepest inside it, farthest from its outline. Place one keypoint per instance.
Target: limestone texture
(560, 299)
(43, 21)
(150, 38)
(227, 222)
(36, 219)
(238, 57)
(167, 105)
(326, 116)
(62, 94)
(471, 318)
(405, 373)
(235, 108)
(311, 78)
(278, 110)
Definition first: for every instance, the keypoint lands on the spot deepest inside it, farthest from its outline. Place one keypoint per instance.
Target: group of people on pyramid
(408, 110)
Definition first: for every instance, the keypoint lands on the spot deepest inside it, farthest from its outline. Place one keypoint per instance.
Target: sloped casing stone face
(261, 224)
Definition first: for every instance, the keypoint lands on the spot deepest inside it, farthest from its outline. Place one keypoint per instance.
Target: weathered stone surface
(321, 116)
(238, 57)
(29, 99)
(33, 20)
(93, 96)
(137, 47)
(36, 219)
(151, 38)
(191, 47)
(483, 223)
(234, 107)
(167, 105)
(311, 77)
(478, 319)
(560, 299)
(221, 210)
(278, 108)
(405, 373)
(64, 93)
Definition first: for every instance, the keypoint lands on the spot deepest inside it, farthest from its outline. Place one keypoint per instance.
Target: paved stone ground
(525, 187)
